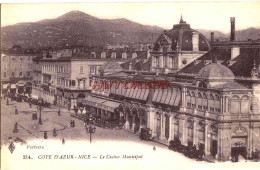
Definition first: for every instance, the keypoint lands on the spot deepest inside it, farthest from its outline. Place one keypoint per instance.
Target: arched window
(204, 101)
(134, 55)
(202, 84)
(170, 61)
(93, 55)
(211, 102)
(165, 61)
(245, 105)
(235, 105)
(193, 100)
(73, 82)
(199, 100)
(188, 99)
(157, 62)
(113, 55)
(124, 55)
(217, 103)
(103, 55)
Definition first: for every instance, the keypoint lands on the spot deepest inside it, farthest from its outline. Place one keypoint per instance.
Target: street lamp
(90, 130)
(40, 108)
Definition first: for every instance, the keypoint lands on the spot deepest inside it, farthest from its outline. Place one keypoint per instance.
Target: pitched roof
(241, 66)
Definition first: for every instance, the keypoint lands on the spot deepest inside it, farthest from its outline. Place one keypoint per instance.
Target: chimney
(212, 36)
(232, 34)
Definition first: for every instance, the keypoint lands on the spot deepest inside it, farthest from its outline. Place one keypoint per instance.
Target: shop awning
(171, 96)
(101, 103)
(93, 101)
(110, 105)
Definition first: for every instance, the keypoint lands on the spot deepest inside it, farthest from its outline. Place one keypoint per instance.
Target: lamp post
(90, 129)
(40, 102)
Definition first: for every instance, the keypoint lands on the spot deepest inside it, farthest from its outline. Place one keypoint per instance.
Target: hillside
(78, 28)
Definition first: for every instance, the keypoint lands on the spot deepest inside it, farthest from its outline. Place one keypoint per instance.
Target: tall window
(164, 61)
(21, 74)
(157, 62)
(211, 102)
(217, 103)
(188, 99)
(204, 101)
(170, 62)
(12, 74)
(193, 99)
(235, 105)
(4, 74)
(245, 105)
(81, 69)
(199, 100)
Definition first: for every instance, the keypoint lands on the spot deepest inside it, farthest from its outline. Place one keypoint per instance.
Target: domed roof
(215, 71)
(180, 38)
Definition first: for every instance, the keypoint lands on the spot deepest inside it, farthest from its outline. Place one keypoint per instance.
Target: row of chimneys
(232, 33)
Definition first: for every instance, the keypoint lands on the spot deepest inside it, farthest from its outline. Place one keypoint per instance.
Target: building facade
(213, 102)
(16, 67)
(63, 76)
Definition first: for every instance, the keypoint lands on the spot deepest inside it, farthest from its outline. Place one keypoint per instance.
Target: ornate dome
(180, 38)
(215, 71)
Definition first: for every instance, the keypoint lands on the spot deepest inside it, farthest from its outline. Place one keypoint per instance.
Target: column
(151, 119)
(127, 120)
(184, 135)
(170, 127)
(140, 124)
(173, 126)
(195, 132)
(183, 99)
(133, 127)
(207, 139)
(163, 126)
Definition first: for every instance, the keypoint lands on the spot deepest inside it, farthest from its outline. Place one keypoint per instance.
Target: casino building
(213, 98)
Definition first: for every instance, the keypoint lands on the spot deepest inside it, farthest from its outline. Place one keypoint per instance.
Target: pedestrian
(7, 102)
(85, 124)
(59, 112)
(154, 148)
(30, 104)
(15, 128)
(73, 121)
(45, 135)
(54, 132)
(16, 111)
(63, 141)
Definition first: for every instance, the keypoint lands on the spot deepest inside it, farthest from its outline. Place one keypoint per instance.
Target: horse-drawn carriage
(189, 151)
(146, 134)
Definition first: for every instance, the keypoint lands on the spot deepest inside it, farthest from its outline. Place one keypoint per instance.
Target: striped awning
(170, 96)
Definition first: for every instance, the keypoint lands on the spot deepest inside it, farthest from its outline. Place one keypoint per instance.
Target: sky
(200, 15)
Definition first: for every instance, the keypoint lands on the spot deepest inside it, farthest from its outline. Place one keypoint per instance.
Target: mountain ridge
(79, 28)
